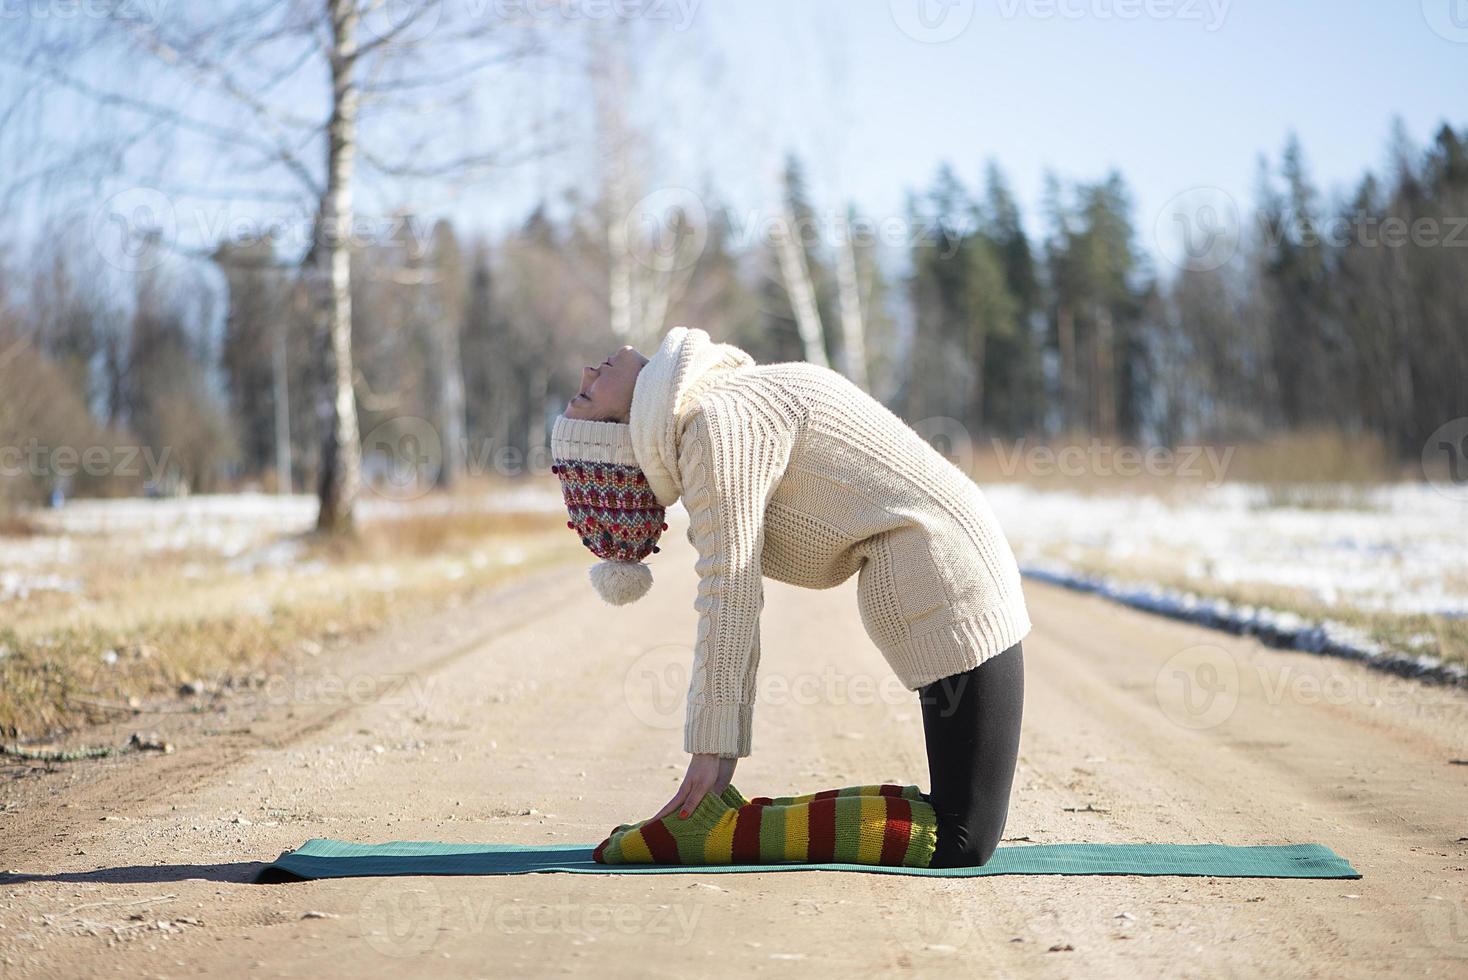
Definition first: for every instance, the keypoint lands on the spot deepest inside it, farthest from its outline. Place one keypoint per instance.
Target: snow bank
(1405, 550)
(1272, 627)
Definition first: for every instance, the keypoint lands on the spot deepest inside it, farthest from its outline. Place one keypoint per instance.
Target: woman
(792, 472)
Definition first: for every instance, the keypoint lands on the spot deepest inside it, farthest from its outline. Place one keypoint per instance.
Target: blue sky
(1188, 97)
(1175, 94)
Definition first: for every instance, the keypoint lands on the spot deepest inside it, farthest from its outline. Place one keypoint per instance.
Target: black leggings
(971, 725)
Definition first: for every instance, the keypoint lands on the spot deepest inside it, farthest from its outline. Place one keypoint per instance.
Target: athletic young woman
(790, 471)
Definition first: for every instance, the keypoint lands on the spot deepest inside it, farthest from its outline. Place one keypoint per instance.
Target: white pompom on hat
(609, 502)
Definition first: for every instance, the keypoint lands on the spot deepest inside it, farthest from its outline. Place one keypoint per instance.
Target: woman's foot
(893, 826)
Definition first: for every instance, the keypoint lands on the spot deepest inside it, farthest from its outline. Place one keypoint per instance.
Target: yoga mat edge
(320, 858)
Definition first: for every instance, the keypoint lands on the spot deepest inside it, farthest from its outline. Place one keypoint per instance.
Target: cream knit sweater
(790, 471)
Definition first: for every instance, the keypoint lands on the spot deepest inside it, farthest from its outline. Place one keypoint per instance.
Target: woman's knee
(965, 856)
(965, 846)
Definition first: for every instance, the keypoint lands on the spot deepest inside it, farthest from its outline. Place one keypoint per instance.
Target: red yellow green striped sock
(735, 799)
(893, 826)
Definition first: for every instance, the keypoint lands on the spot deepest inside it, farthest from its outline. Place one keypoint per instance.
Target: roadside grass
(147, 627)
(1314, 470)
(1444, 637)
(14, 524)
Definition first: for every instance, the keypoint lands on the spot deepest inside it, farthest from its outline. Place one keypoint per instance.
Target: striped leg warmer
(891, 825)
(735, 799)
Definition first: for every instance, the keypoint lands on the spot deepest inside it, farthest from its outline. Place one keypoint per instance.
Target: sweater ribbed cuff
(718, 729)
(958, 647)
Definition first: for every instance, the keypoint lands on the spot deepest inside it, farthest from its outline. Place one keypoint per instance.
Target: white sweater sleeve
(730, 459)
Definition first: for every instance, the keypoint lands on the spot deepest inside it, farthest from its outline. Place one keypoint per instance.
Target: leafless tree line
(257, 361)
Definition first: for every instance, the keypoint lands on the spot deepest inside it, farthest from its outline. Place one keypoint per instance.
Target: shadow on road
(243, 872)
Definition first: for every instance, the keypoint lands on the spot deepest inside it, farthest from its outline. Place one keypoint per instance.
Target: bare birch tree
(795, 272)
(304, 95)
(853, 323)
(653, 236)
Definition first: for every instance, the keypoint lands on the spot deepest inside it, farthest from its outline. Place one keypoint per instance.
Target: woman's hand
(706, 774)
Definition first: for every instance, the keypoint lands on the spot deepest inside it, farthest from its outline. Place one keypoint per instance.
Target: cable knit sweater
(792, 472)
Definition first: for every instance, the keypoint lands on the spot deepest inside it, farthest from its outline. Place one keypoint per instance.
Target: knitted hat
(610, 502)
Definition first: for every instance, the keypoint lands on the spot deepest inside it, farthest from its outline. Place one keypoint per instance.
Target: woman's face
(606, 390)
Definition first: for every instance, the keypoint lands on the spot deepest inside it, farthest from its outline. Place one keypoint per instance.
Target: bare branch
(464, 167)
(207, 70)
(428, 81)
(223, 134)
(388, 37)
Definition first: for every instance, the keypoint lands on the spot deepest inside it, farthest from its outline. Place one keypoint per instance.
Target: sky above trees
(875, 97)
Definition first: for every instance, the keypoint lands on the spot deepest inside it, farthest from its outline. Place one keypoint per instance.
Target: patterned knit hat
(610, 502)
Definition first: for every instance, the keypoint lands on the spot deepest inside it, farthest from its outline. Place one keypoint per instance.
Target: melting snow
(1406, 551)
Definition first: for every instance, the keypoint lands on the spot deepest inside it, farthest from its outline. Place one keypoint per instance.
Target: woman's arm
(730, 459)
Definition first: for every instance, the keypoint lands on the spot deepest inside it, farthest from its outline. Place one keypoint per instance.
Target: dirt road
(541, 715)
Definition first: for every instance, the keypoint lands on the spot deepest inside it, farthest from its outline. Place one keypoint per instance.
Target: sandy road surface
(541, 715)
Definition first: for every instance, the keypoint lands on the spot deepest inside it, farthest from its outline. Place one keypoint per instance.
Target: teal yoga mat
(322, 858)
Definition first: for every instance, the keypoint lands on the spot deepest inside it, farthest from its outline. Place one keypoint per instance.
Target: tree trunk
(281, 395)
(619, 259)
(1065, 329)
(853, 328)
(536, 391)
(1400, 383)
(341, 461)
(610, 82)
(1105, 370)
(450, 373)
(796, 273)
(978, 351)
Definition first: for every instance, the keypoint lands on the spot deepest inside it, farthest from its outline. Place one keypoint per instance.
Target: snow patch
(15, 585)
(1404, 550)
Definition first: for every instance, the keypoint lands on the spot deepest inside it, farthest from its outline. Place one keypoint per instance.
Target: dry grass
(1444, 637)
(1305, 469)
(1414, 633)
(432, 534)
(16, 525)
(146, 624)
